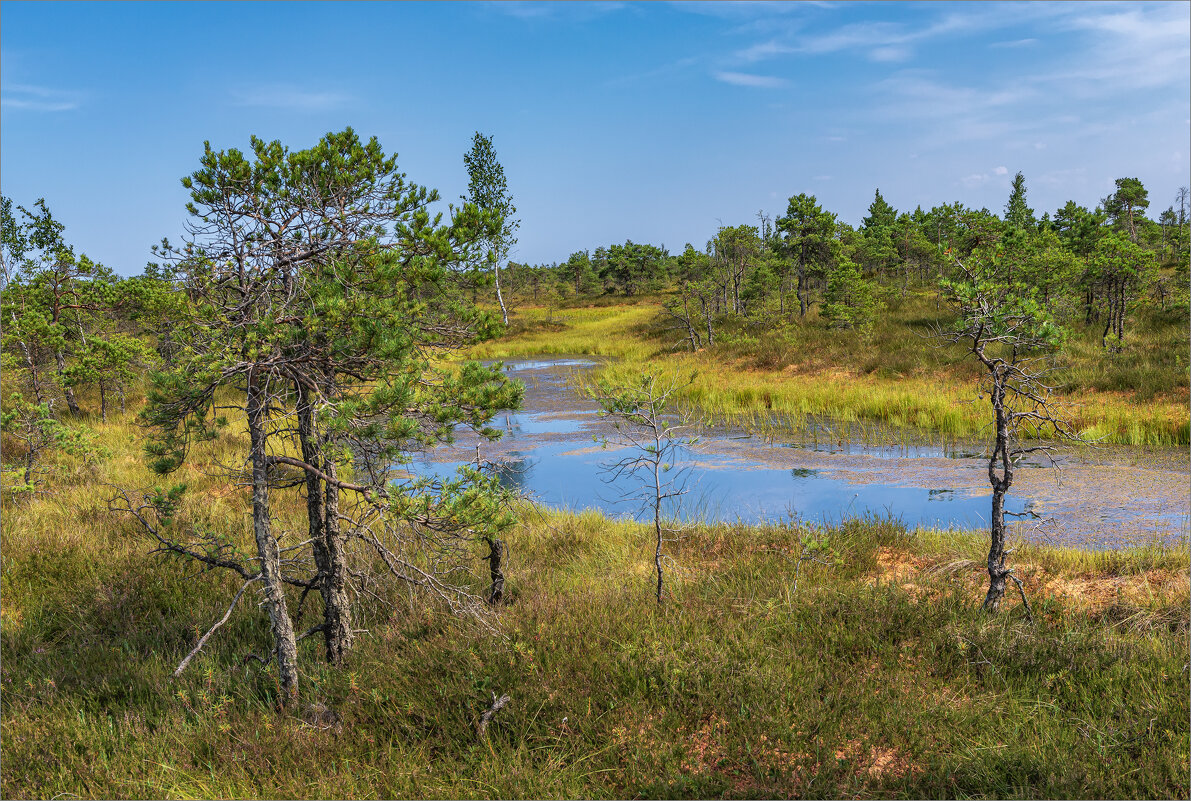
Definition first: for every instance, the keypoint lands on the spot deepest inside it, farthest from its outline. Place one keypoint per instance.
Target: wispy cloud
(1015, 43)
(764, 50)
(1128, 47)
(748, 79)
(665, 70)
(546, 10)
(880, 41)
(883, 40)
(27, 97)
(282, 96)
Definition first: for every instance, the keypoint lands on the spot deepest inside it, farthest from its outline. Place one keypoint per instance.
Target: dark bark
(1000, 476)
(495, 559)
(327, 544)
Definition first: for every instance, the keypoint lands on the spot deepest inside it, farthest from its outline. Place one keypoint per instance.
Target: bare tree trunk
(686, 318)
(657, 510)
(71, 403)
(495, 558)
(103, 403)
(29, 363)
(285, 645)
(504, 313)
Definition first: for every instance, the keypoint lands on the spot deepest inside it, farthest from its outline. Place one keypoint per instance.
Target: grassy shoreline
(877, 677)
(735, 390)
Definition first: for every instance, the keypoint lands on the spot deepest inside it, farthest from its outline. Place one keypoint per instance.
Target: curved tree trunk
(997, 571)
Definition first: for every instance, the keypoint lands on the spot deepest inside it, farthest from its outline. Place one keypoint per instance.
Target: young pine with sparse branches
(655, 435)
(1004, 326)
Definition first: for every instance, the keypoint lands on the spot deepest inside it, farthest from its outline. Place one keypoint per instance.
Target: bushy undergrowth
(877, 676)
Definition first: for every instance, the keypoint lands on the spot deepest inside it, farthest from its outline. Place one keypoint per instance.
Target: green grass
(879, 677)
(893, 379)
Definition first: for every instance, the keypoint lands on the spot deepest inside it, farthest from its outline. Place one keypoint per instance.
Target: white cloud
(891, 53)
(27, 97)
(543, 10)
(1001, 171)
(747, 79)
(290, 97)
(763, 50)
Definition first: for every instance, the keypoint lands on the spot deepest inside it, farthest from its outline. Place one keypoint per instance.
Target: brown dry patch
(1151, 590)
(10, 617)
(705, 749)
(876, 762)
(899, 567)
(707, 753)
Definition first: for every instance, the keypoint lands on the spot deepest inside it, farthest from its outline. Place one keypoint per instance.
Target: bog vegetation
(217, 582)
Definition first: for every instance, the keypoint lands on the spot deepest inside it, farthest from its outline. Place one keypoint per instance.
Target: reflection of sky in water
(572, 475)
(550, 456)
(517, 426)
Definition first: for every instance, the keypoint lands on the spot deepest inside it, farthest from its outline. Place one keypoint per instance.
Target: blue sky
(653, 122)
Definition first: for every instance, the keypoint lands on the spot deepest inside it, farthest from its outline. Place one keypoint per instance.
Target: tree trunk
(339, 635)
(657, 507)
(103, 403)
(322, 514)
(997, 572)
(29, 363)
(996, 554)
(66, 390)
(495, 557)
(500, 298)
(285, 645)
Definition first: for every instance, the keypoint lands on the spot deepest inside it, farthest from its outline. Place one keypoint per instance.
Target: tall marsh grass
(934, 391)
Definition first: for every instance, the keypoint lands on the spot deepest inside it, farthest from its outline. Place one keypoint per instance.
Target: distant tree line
(1092, 265)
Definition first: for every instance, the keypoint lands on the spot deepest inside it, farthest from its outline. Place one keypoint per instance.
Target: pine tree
(1017, 213)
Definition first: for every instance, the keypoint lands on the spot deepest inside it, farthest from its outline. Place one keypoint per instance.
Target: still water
(550, 453)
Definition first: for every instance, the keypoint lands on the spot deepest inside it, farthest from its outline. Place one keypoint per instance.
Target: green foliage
(1017, 213)
(41, 436)
(1126, 205)
(848, 301)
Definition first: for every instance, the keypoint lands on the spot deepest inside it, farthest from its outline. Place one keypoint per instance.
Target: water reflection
(556, 463)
